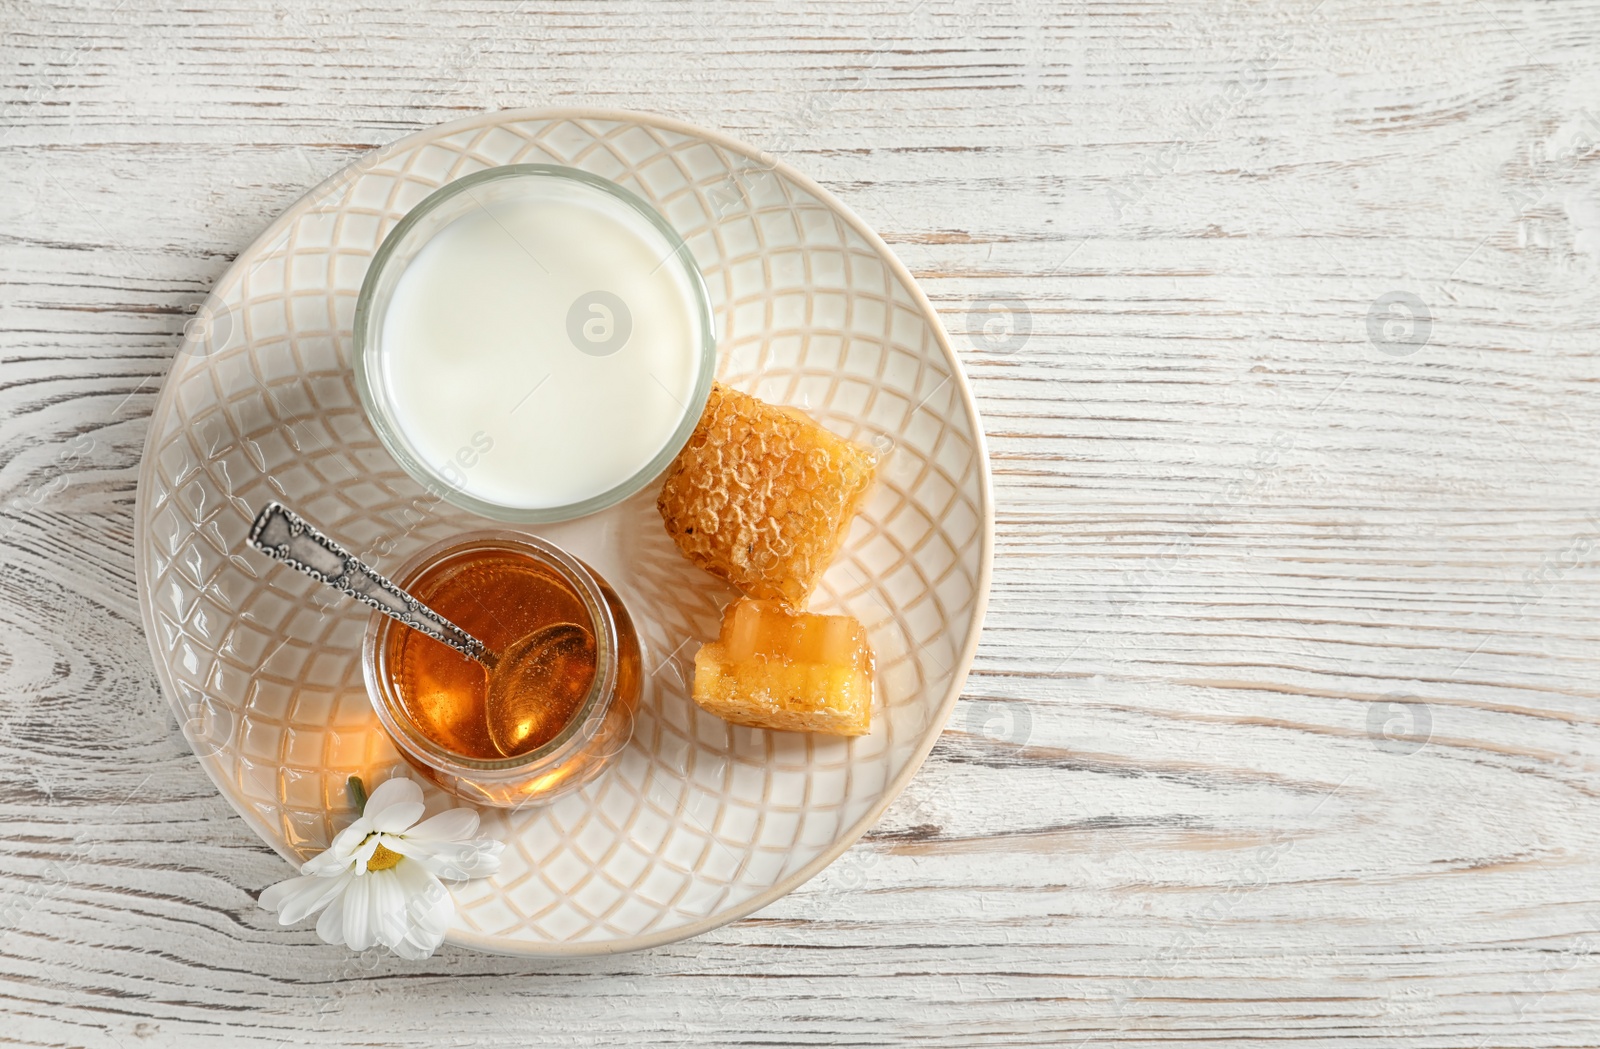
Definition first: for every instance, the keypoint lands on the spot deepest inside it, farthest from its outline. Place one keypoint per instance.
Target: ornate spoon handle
(282, 534)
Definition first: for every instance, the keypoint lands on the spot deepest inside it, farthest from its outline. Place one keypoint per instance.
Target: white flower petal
(337, 856)
(386, 903)
(358, 932)
(430, 910)
(298, 897)
(272, 896)
(364, 853)
(397, 818)
(347, 839)
(331, 925)
(397, 791)
(477, 858)
(411, 952)
(450, 825)
(405, 907)
(427, 899)
(326, 865)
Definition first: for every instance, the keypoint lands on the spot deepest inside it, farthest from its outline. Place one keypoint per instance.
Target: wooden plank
(1284, 727)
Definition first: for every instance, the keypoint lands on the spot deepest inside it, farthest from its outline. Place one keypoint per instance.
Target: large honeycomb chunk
(762, 496)
(800, 673)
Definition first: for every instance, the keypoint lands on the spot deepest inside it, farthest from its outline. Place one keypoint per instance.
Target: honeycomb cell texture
(762, 496)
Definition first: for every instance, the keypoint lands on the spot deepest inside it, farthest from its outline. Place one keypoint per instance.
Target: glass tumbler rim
(375, 402)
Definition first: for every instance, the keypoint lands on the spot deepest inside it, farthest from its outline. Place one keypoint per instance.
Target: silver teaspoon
(283, 535)
(529, 682)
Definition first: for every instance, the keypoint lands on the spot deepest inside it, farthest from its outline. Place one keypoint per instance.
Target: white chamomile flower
(379, 880)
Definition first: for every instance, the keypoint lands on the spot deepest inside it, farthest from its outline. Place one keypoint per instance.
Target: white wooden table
(1285, 729)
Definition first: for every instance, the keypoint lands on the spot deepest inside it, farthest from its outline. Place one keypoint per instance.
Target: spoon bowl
(536, 685)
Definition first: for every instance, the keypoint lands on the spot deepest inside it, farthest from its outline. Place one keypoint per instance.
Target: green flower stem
(357, 791)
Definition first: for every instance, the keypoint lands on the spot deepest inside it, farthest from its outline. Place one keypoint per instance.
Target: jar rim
(580, 727)
(375, 403)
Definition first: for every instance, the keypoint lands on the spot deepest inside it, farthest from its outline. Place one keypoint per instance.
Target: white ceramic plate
(701, 822)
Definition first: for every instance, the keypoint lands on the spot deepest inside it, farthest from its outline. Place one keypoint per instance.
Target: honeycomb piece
(762, 496)
(799, 673)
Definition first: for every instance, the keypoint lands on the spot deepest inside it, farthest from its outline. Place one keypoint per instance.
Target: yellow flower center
(382, 859)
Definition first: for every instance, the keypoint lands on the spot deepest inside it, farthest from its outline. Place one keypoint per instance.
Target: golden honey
(776, 669)
(498, 597)
(762, 496)
(434, 702)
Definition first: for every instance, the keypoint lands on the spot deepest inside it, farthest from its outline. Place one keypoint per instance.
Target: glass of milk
(533, 343)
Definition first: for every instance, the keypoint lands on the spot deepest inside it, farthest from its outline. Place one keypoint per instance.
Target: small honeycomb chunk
(800, 673)
(762, 496)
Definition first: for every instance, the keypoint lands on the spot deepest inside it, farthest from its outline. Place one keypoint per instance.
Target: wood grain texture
(1284, 729)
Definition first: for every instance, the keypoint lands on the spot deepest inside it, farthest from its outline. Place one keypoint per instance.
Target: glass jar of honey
(435, 703)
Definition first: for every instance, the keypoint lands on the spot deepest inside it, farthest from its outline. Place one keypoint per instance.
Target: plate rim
(485, 943)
